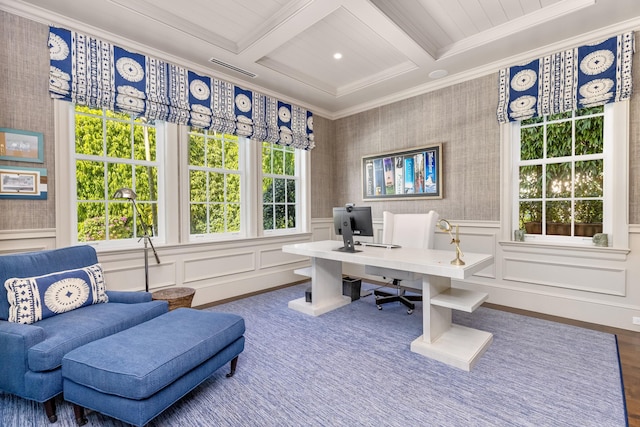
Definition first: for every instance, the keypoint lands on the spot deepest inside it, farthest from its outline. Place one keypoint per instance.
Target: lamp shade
(125, 193)
(444, 225)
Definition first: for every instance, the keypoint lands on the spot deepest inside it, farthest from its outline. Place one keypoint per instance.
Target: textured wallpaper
(461, 117)
(25, 104)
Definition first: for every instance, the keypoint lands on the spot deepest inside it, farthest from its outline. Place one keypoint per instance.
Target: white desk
(455, 345)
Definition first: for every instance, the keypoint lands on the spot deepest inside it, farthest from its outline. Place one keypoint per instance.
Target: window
(191, 185)
(111, 151)
(280, 188)
(242, 188)
(561, 173)
(569, 178)
(215, 183)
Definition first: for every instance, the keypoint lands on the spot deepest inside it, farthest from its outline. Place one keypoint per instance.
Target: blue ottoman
(136, 374)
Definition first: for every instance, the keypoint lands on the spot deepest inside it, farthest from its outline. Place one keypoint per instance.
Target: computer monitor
(350, 221)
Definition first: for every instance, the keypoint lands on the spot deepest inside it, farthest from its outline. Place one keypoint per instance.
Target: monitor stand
(347, 236)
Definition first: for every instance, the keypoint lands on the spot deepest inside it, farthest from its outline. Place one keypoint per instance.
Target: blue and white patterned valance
(586, 76)
(92, 72)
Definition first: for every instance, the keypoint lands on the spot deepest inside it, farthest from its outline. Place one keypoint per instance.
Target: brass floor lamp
(127, 193)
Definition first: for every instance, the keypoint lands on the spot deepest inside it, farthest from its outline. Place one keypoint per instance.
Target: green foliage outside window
(278, 187)
(561, 175)
(112, 151)
(214, 182)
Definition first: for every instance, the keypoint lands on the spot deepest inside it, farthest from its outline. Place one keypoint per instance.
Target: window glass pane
(558, 217)
(280, 216)
(216, 187)
(291, 191)
(291, 216)
(89, 135)
(267, 190)
(118, 139)
(559, 139)
(565, 115)
(279, 190)
(267, 217)
(531, 143)
(119, 175)
(266, 157)
(532, 120)
(231, 155)
(120, 221)
(559, 180)
(214, 153)
(198, 218)
(89, 180)
(91, 222)
(278, 162)
(590, 110)
(196, 150)
(144, 138)
(233, 217)
(530, 181)
(589, 178)
(197, 186)
(589, 139)
(531, 216)
(589, 211)
(233, 188)
(289, 163)
(216, 218)
(146, 183)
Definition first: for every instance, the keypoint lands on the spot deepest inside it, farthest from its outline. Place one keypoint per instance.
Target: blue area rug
(353, 367)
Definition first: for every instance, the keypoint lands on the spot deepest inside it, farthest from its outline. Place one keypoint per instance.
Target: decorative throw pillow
(36, 298)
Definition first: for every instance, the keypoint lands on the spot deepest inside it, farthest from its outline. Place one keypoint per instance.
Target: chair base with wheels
(383, 297)
(409, 231)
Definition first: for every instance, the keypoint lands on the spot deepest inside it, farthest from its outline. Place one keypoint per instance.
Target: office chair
(408, 231)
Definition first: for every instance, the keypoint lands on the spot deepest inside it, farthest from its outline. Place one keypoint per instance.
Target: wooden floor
(628, 347)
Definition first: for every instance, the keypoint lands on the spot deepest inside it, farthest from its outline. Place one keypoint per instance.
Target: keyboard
(380, 245)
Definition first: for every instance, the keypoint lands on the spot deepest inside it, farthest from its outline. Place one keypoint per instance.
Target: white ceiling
(389, 47)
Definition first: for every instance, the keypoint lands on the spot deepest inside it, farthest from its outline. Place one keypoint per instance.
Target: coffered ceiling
(391, 49)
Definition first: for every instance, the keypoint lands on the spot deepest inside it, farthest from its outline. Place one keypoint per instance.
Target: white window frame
(300, 167)
(251, 198)
(616, 181)
(243, 153)
(173, 188)
(66, 202)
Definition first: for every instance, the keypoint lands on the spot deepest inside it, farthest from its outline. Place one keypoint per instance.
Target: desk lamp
(127, 193)
(444, 225)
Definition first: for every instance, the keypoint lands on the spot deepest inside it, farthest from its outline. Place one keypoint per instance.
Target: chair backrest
(409, 230)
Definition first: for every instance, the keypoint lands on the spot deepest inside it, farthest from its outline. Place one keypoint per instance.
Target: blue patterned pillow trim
(35, 298)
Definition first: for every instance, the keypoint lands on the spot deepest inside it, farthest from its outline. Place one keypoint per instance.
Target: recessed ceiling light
(436, 74)
(337, 55)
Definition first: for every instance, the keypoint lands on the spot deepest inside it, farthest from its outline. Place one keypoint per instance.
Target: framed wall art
(23, 183)
(412, 173)
(21, 146)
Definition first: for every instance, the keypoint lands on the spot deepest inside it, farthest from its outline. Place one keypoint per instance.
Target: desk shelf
(460, 299)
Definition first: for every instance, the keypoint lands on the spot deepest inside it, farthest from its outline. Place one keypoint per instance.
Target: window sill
(564, 249)
(227, 242)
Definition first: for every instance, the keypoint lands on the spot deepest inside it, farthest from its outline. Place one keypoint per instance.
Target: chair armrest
(15, 340)
(128, 297)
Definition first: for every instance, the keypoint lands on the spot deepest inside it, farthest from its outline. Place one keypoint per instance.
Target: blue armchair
(37, 328)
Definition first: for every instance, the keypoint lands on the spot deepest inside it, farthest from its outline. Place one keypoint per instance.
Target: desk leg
(455, 345)
(326, 289)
